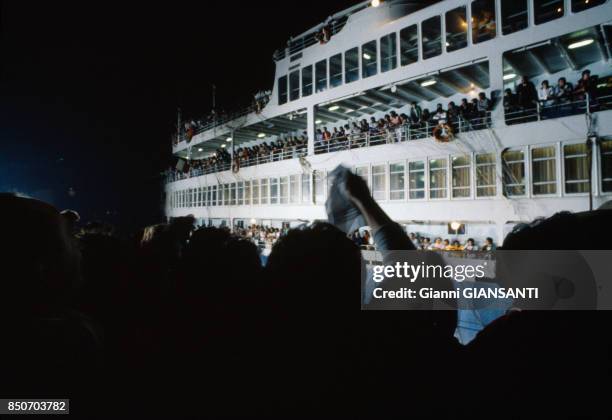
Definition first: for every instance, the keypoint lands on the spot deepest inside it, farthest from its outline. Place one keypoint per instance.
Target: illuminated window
(306, 197)
(284, 190)
(461, 166)
(294, 189)
(514, 172)
(437, 178)
(456, 29)
(379, 182)
(483, 20)
(397, 181)
(544, 170)
(416, 180)
(486, 185)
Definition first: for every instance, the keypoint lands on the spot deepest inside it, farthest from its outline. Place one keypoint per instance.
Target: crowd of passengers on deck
(526, 103)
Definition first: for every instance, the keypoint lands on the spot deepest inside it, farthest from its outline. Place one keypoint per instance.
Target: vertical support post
(310, 128)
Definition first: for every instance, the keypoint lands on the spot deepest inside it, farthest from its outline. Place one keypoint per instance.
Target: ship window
(461, 176)
(307, 81)
(409, 45)
(431, 37)
(580, 5)
(576, 168)
(388, 52)
(319, 187)
(486, 185)
(351, 65)
(273, 190)
(368, 59)
(294, 85)
(514, 15)
(226, 194)
(379, 182)
(321, 75)
(364, 172)
(606, 165)
(306, 198)
(544, 170)
(483, 20)
(437, 178)
(263, 189)
(255, 186)
(240, 194)
(514, 172)
(247, 193)
(282, 90)
(456, 29)
(294, 189)
(284, 190)
(335, 70)
(396, 181)
(214, 196)
(416, 180)
(547, 10)
(233, 194)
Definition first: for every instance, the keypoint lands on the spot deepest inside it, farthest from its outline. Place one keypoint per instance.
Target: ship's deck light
(333, 108)
(579, 44)
(375, 3)
(228, 139)
(261, 135)
(509, 76)
(428, 82)
(318, 121)
(367, 56)
(200, 149)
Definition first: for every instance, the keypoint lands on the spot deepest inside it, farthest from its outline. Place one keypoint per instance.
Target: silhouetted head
(40, 261)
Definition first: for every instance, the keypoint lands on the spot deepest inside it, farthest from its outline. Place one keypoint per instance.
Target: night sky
(89, 91)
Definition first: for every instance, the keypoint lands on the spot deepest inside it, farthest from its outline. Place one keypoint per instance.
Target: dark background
(89, 90)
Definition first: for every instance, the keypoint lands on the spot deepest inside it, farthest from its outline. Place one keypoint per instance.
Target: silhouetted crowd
(181, 321)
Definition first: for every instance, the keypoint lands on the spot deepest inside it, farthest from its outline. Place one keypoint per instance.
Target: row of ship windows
(514, 17)
(418, 179)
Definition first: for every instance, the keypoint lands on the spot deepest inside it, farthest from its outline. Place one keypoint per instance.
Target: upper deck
(387, 56)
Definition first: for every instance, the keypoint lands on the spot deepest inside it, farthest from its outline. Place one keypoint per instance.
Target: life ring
(443, 133)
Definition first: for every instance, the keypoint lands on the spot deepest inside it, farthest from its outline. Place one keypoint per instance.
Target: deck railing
(409, 132)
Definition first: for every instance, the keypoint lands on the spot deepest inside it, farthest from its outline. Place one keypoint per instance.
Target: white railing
(404, 132)
(408, 132)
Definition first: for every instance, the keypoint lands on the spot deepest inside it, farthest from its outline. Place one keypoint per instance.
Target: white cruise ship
(463, 174)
